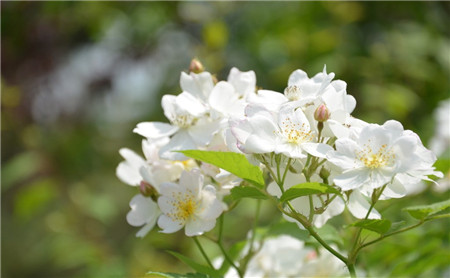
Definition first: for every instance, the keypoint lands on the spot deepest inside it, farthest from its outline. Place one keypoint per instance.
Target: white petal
(359, 206)
(143, 210)
(168, 225)
(128, 170)
(155, 130)
(196, 227)
(181, 141)
(128, 174)
(243, 82)
(297, 77)
(199, 85)
(190, 104)
(203, 132)
(256, 144)
(317, 149)
(192, 181)
(352, 179)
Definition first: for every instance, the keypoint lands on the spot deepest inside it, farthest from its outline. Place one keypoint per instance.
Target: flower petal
(155, 130)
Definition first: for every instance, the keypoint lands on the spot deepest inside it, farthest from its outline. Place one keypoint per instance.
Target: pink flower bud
(322, 114)
(147, 189)
(196, 66)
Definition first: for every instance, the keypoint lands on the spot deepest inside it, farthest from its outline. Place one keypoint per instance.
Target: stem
(203, 252)
(286, 170)
(225, 254)
(355, 248)
(351, 268)
(252, 239)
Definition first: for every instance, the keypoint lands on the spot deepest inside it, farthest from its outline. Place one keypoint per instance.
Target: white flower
(288, 133)
(150, 169)
(441, 139)
(376, 155)
(302, 204)
(190, 127)
(144, 212)
(286, 256)
(188, 204)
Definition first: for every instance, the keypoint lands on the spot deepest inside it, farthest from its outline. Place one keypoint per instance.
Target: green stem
(222, 249)
(355, 248)
(351, 269)
(203, 252)
(252, 239)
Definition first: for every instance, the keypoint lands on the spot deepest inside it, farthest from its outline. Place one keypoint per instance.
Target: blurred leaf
(233, 253)
(288, 228)
(19, 168)
(215, 34)
(32, 199)
(239, 192)
(308, 188)
(380, 226)
(421, 212)
(234, 163)
(196, 266)
(329, 233)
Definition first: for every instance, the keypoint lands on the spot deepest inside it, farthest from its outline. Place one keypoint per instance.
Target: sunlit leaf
(421, 212)
(305, 189)
(239, 192)
(380, 226)
(234, 163)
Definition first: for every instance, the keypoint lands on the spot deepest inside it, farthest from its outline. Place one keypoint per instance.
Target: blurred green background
(78, 76)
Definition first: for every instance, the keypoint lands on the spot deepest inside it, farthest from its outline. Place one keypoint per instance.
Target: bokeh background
(78, 76)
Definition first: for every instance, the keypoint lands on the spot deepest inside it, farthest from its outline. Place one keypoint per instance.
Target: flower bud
(322, 114)
(147, 190)
(196, 66)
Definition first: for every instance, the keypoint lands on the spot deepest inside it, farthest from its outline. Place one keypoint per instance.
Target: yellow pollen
(185, 206)
(376, 160)
(295, 132)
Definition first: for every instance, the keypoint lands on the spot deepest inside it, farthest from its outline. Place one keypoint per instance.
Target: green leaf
(288, 228)
(380, 226)
(421, 212)
(233, 253)
(176, 275)
(239, 192)
(305, 189)
(194, 265)
(234, 163)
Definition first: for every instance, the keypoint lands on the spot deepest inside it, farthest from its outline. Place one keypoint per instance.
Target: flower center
(376, 160)
(295, 132)
(183, 121)
(185, 206)
(293, 92)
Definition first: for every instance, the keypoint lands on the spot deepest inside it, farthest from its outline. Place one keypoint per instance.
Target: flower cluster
(304, 135)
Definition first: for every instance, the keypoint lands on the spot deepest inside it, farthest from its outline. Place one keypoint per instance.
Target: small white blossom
(189, 204)
(376, 155)
(144, 212)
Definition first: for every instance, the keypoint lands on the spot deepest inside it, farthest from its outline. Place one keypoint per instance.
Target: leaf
(288, 228)
(330, 234)
(233, 253)
(380, 226)
(239, 192)
(176, 275)
(194, 265)
(421, 212)
(305, 189)
(234, 163)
